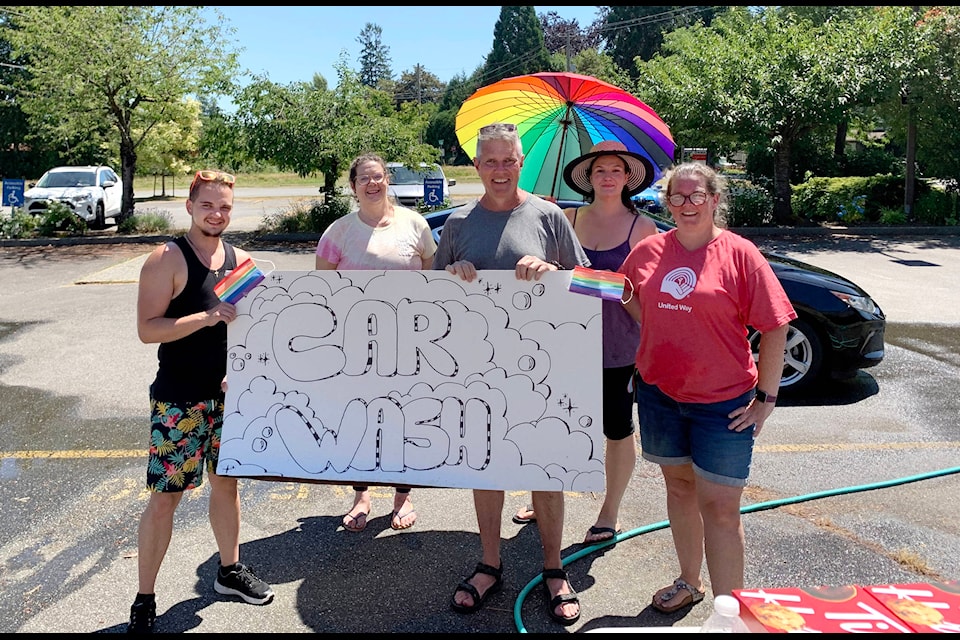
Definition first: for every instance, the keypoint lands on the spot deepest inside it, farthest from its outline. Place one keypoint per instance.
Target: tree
(518, 46)
(301, 128)
(374, 58)
(418, 86)
(631, 32)
(127, 66)
(565, 37)
(765, 77)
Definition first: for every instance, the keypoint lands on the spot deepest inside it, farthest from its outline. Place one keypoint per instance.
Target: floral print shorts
(182, 437)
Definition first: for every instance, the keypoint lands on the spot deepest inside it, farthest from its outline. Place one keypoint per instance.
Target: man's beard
(211, 234)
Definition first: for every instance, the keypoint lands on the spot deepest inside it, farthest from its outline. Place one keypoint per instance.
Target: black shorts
(618, 400)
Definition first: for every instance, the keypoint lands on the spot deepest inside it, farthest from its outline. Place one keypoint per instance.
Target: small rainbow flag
(608, 285)
(239, 282)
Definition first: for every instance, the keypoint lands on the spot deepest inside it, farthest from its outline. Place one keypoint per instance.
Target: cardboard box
(927, 607)
(846, 609)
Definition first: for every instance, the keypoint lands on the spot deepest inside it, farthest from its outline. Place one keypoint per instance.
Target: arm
(162, 277)
(769, 370)
(324, 265)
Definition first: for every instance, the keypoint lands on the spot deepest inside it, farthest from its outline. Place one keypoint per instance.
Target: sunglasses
(696, 198)
(209, 175)
(507, 127)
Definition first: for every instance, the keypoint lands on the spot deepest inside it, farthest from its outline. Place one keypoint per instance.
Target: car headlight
(863, 304)
(82, 198)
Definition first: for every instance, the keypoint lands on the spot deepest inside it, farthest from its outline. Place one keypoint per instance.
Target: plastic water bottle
(725, 617)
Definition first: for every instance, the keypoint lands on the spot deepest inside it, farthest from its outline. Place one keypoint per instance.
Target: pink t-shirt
(695, 308)
(350, 243)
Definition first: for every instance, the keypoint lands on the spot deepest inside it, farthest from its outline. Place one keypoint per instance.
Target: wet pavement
(856, 483)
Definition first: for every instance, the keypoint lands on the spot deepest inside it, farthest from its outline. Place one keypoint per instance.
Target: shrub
(20, 224)
(750, 205)
(892, 216)
(146, 221)
(313, 217)
(60, 218)
(936, 207)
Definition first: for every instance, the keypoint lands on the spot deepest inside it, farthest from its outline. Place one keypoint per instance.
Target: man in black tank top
(178, 309)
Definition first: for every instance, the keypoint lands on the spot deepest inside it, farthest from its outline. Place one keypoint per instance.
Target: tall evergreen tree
(375, 68)
(637, 32)
(518, 46)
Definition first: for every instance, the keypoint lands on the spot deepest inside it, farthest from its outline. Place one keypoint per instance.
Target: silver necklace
(203, 260)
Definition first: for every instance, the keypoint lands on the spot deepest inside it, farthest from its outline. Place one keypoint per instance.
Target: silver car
(95, 193)
(406, 183)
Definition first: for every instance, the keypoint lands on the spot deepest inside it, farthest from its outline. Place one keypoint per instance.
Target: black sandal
(561, 598)
(478, 600)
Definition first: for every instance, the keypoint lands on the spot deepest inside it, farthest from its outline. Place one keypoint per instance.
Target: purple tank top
(621, 333)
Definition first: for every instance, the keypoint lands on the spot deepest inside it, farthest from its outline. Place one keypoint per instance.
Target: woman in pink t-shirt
(378, 235)
(701, 398)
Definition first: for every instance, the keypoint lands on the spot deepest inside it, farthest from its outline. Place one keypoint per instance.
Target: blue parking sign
(433, 191)
(13, 192)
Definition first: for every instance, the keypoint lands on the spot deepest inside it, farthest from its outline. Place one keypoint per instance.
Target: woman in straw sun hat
(608, 227)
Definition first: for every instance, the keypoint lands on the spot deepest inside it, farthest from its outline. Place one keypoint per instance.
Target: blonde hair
(715, 184)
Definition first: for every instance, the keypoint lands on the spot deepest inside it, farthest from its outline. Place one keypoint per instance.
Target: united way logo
(679, 283)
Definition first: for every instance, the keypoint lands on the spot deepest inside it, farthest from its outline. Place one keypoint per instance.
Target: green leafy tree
(927, 90)
(310, 131)
(765, 77)
(126, 66)
(630, 32)
(419, 86)
(375, 68)
(171, 144)
(518, 46)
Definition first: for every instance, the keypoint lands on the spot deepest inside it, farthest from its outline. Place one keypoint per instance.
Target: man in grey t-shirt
(508, 228)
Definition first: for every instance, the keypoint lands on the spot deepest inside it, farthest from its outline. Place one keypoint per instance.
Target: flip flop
(357, 523)
(519, 519)
(691, 597)
(397, 517)
(597, 531)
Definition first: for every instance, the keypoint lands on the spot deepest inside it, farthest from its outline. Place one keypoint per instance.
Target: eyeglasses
(365, 179)
(507, 127)
(209, 175)
(696, 198)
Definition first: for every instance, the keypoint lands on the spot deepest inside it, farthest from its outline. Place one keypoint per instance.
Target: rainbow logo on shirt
(239, 282)
(608, 285)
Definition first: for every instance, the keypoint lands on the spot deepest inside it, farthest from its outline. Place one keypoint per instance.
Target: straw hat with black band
(639, 170)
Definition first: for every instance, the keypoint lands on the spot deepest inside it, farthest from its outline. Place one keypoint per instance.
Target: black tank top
(192, 367)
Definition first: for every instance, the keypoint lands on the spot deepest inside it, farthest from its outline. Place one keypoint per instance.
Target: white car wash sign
(416, 378)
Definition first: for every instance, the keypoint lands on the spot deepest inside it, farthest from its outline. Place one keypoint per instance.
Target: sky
(290, 44)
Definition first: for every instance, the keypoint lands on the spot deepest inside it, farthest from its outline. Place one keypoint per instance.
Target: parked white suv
(95, 193)
(406, 184)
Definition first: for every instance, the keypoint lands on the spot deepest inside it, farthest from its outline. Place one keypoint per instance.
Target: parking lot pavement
(854, 485)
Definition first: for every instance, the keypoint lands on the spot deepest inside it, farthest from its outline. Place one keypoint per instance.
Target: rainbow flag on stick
(239, 282)
(608, 285)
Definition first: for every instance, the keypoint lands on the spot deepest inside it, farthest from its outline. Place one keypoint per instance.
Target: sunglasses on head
(209, 175)
(498, 126)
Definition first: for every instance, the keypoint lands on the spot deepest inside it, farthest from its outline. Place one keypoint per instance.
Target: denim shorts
(674, 433)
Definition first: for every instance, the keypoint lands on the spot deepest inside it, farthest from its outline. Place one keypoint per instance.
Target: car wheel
(802, 357)
(99, 221)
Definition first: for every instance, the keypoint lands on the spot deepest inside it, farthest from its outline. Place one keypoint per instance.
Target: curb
(241, 238)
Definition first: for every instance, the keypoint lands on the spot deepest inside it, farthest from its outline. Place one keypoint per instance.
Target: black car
(839, 328)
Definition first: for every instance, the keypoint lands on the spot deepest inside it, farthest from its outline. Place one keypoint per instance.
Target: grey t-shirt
(498, 239)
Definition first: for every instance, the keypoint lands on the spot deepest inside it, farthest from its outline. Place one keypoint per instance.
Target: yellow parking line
(765, 448)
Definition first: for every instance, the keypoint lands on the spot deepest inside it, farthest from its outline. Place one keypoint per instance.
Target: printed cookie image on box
(827, 609)
(927, 607)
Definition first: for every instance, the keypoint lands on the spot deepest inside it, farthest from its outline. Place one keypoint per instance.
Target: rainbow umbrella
(559, 117)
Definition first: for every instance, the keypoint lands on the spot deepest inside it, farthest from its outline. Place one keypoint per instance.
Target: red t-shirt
(695, 307)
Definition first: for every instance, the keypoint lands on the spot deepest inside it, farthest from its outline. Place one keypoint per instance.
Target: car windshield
(404, 175)
(67, 179)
